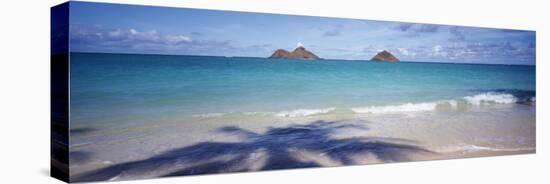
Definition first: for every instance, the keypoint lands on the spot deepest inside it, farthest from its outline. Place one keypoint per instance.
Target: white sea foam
(476, 100)
(304, 112)
(408, 107)
(484, 98)
(453, 103)
(491, 97)
(209, 115)
(257, 113)
(291, 114)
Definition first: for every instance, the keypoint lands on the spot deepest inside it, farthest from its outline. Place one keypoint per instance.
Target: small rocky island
(299, 53)
(385, 56)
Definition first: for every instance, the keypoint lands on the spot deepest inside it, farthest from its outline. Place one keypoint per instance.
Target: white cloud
(406, 52)
(438, 51)
(177, 38)
(437, 48)
(115, 33)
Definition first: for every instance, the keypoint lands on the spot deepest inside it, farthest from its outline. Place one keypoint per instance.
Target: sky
(112, 28)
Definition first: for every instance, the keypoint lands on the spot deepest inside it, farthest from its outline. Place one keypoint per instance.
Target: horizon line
(353, 60)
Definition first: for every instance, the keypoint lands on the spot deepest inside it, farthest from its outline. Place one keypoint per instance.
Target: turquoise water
(125, 86)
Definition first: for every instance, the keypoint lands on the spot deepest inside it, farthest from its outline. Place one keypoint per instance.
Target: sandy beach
(218, 144)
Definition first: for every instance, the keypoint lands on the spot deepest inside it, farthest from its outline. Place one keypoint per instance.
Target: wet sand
(177, 146)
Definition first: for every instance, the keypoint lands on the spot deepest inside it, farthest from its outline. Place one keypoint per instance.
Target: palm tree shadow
(274, 149)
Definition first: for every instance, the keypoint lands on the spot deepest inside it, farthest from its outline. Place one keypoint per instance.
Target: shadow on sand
(274, 149)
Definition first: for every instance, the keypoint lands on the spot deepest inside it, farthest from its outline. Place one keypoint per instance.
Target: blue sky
(115, 28)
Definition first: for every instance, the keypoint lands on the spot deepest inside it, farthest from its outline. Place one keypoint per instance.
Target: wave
(491, 97)
(288, 114)
(475, 100)
(304, 112)
(408, 107)
(209, 115)
(482, 99)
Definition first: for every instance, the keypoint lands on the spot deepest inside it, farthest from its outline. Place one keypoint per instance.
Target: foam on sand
(304, 112)
(408, 107)
(209, 115)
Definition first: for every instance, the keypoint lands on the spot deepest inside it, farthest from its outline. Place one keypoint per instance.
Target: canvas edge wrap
(59, 91)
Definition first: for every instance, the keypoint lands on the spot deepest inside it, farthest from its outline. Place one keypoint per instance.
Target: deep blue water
(127, 86)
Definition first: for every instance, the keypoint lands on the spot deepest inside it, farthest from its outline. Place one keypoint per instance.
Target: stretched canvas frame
(145, 92)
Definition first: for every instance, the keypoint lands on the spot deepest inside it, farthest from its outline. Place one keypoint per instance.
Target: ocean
(146, 104)
(119, 85)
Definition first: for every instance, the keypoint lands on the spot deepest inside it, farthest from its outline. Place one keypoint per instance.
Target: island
(385, 56)
(299, 53)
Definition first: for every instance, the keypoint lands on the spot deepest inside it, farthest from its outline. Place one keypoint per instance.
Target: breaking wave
(482, 99)
(491, 97)
(304, 112)
(408, 107)
(287, 114)
(209, 115)
(475, 100)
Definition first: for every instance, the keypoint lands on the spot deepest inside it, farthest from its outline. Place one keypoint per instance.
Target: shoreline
(312, 141)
